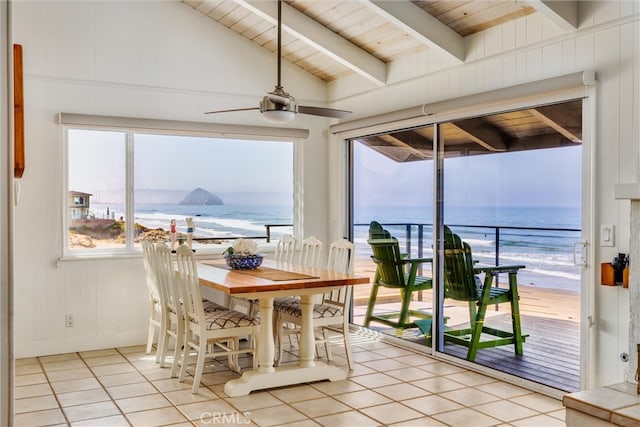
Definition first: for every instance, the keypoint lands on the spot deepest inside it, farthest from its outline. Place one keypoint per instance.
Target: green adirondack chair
(461, 282)
(391, 272)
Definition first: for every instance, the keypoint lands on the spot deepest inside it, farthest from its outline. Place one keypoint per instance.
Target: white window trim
(131, 126)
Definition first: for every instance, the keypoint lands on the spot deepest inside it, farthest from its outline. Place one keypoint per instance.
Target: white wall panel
(520, 33)
(534, 65)
(627, 115)
(552, 60)
(474, 47)
(508, 33)
(568, 56)
(493, 41)
(521, 67)
(533, 28)
(509, 70)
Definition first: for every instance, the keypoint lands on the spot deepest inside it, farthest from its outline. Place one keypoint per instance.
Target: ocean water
(547, 254)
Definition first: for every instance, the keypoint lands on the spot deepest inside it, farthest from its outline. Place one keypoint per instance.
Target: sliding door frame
(342, 138)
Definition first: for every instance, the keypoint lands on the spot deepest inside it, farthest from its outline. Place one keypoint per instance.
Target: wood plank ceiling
(332, 39)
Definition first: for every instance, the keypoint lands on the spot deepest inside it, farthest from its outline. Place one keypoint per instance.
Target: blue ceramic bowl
(243, 262)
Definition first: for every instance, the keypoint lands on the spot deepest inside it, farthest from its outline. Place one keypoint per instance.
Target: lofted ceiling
(335, 38)
(332, 39)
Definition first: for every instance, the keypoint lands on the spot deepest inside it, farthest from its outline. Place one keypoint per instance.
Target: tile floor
(390, 386)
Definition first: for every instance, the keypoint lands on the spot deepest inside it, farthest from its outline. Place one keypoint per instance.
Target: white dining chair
(155, 306)
(310, 252)
(210, 333)
(285, 248)
(172, 317)
(309, 256)
(332, 313)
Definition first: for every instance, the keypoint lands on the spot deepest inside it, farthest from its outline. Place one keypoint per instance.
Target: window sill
(201, 252)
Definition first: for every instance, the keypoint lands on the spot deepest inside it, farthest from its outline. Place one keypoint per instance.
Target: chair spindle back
(310, 251)
(460, 282)
(285, 249)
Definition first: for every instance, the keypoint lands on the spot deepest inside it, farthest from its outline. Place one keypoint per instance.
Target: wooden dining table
(272, 280)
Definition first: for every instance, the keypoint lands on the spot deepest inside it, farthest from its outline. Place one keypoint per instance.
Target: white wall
(140, 59)
(529, 49)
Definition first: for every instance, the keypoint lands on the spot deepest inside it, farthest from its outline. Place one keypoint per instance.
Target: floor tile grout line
(146, 379)
(155, 387)
(55, 395)
(537, 412)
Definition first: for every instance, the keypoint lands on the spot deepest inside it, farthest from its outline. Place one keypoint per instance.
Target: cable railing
(419, 235)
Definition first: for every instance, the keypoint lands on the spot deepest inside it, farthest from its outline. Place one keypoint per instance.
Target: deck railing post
(420, 252)
(497, 278)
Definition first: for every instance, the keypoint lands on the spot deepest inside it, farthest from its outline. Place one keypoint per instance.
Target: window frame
(129, 249)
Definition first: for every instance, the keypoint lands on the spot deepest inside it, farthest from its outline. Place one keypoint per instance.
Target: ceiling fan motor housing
(268, 105)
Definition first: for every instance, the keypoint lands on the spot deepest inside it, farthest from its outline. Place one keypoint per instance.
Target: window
(126, 185)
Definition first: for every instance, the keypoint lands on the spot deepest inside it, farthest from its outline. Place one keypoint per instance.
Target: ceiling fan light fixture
(275, 112)
(278, 116)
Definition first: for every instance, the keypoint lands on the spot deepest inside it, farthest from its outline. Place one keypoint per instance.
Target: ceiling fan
(280, 107)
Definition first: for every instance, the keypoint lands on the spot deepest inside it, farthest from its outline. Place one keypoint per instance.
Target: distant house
(79, 204)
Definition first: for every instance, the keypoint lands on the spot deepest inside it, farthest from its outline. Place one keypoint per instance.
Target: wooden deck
(550, 318)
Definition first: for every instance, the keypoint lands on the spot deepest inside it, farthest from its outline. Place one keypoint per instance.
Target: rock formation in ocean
(200, 197)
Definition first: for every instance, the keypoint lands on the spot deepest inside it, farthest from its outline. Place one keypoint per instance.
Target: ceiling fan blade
(232, 110)
(325, 112)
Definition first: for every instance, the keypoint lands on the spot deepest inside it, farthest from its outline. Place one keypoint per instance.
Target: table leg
(307, 338)
(266, 376)
(266, 347)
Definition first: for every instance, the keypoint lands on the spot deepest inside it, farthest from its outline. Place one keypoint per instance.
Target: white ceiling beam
(321, 38)
(420, 25)
(562, 13)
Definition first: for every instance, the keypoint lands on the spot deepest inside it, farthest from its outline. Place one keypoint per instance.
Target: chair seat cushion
(226, 319)
(206, 306)
(292, 307)
(281, 304)
(212, 306)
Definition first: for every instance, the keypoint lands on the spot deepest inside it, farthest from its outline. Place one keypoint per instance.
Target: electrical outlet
(69, 321)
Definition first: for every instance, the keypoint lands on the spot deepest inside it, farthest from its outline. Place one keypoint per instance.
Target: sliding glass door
(508, 185)
(392, 183)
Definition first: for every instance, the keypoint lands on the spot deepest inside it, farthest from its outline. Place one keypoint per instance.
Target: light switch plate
(607, 235)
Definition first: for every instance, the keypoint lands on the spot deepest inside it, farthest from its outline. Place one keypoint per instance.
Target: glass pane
(512, 193)
(393, 185)
(229, 188)
(96, 189)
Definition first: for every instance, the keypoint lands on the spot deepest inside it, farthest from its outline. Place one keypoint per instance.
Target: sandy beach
(534, 301)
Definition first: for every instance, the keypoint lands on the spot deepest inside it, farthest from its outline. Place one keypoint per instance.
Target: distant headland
(201, 197)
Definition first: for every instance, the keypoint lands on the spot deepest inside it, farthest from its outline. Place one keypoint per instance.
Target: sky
(545, 178)
(162, 162)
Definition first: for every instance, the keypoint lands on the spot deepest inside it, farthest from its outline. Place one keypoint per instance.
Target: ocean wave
(209, 226)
